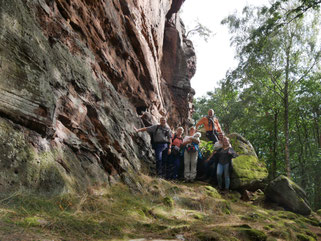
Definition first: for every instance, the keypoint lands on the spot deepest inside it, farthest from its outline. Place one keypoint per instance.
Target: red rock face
(129, 40)
(77, 75)
(126, 38)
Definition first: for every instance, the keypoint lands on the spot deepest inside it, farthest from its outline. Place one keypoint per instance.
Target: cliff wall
(75, 77)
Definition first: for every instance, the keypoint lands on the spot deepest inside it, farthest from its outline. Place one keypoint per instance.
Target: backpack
(152, 136)
(190, 148)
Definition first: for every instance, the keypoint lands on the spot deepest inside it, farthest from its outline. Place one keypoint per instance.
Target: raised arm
(141, 129)
(232, 152)
(186, 142)
(209, 158)
(200, 122)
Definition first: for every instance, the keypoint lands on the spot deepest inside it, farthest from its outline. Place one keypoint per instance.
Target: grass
(195, 211)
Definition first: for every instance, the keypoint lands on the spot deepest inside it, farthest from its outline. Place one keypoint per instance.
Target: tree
(276, 62)
(200, 30)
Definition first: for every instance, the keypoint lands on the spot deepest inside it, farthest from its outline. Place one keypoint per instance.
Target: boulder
(288, 194)
(249, 173)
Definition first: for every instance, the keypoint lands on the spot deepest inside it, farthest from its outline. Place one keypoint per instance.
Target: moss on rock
(212, 192)
(305, 237)
(247, 171)
(241, 145)
(289, 195)
(251, 234)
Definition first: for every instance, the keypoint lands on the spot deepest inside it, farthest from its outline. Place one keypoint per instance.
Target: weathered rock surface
(249, 173)
(74, 78)
(288, 194)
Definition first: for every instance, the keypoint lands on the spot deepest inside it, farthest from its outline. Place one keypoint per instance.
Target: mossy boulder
(288, 195)
(248, 171)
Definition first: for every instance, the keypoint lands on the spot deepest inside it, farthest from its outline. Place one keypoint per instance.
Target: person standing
(161, 142)
(225, 155)
(211, 125)
(174, 158)
(191, 154)
(210, 164)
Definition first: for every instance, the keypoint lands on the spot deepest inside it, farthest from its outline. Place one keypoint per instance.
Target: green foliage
(206, 148)
(273, 97)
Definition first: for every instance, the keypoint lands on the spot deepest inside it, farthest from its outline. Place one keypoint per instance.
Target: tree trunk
(275, 142)
(286, 111)
(317, 129)
(286, 130)
(302, 165)
(317, 190)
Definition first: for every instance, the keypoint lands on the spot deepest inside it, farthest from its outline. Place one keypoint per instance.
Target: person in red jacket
(211, 125)
(174, 158)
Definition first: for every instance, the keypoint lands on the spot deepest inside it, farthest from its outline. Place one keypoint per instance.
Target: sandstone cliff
(75, 76)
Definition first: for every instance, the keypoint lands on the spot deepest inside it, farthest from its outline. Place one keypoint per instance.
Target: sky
(215, 57)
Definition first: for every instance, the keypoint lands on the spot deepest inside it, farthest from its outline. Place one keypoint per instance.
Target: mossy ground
(193, 211)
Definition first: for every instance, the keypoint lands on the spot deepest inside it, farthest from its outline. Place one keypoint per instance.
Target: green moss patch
(304, 237)
(248, 167)
(212, 192)
(251, 234)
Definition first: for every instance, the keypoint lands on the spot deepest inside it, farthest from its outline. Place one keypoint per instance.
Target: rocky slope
(161, 211)
(75, 77)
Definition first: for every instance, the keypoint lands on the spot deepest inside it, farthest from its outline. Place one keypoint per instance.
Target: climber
(224, 157)
(161, 143)
(174, 158)
(191, 153)
(211, 125)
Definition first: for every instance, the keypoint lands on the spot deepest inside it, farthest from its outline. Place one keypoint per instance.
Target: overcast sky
(216, 56)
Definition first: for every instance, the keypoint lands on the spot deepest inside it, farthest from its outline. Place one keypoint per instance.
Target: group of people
(173, 150)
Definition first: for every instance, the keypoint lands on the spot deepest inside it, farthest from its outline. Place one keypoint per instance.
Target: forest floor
(161, 210)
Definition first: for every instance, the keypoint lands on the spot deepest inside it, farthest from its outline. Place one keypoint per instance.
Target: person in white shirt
(191, 149)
